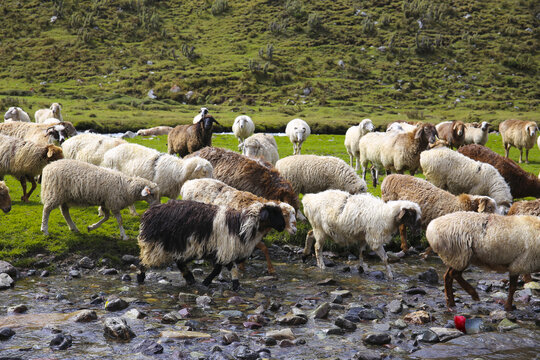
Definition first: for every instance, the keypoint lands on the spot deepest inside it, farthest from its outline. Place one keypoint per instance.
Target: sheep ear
(146, 191)
(214, 120)
(419, 133)
(401, 215)
(482, 205)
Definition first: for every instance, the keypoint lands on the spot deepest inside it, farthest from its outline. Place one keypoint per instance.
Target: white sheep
(360, 220)
(298, 131)
(476, 133)
(314, 173)
(199, 116)
(352, 137)
(499, 243)
(243, 127)
(157, 130)
(400, 127)
(262, 146)
(69, 182)
(16, 114)
(54, 111)
(521, 134)
(452, 171)
(90, 147)
(42, 134)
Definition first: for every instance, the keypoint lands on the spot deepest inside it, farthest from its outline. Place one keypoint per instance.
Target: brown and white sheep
(476, 133)
(186, 139)
(25, 160)
(520, 134)
(157, 130)
(5, 199)
(500, 243)
(433, 202)
(453, 132)
(42, 134)
(522, 183)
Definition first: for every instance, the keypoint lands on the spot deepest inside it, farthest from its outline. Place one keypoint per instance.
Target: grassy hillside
(332, 62)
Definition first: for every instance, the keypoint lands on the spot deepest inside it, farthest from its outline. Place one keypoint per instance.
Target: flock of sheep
(230, 201)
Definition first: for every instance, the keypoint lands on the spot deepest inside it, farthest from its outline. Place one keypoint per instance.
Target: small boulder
(149, 347)
(6, 333)
(371, 314)
(7, 268)
(428, 336)
(134, 314)
(115, 304)
(418, 317)
(321, 311)
(395, 306)
(85, 316)
(345, 324)
(17, 309)
(61, 342)
(229, 338)
(86, 263)
(430, 276)
(6, 281)
(281, 334)
(376, 338)
(243, 352)
(291, 319)
(507, 325)
(117, 328)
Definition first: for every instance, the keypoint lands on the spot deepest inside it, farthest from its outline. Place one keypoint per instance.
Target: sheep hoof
(235, 284)
(24, 199)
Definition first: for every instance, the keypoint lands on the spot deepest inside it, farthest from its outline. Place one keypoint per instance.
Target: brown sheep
(522, 183)
(5, 200)
(521, 134)
(186, 139)
(525, 208)
(453, 132)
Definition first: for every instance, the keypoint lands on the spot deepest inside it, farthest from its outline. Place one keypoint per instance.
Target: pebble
(170, 318)
(242, 352)
(109, 272)
(204, 301)
(17, 309)
(184, 334)
(499, 295)
(148, 347)
(126, 278)
(428, 336)
(134, 314)
(115, 304)
(229, 338)
(184, 313)
(367, 354)
(415, 291)
(342, 293)
(7, 268)
(231, 313)
(117, 328)
(400, 324)
(377, 275)
(251, 325)
(507, 325)
(6, 333)
(430, 276)
(61, 342)
(281, 334)
(86, 263)
(75, 273)
(335, 331)
(371, 314)
(345, 324)
(395, 306)
(321, 311)
(130, 259)
(291, 319)
(187, 297)
(236, 300)
(85, 316)
(338, 299)
(418, 317)
(327, 281)
(287, 343)
(446, 334)
(44, 273)
(376, 338)
(381, 327)
(352, 314)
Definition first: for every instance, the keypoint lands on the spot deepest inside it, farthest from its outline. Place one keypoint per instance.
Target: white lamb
(262, 146)
(243, 128)
(16, 114)
(358, 220)
(476, 133)
(352, 137)
(298, 131)
(89, 147)
(452, 171)
(314, 173)
(53, 112)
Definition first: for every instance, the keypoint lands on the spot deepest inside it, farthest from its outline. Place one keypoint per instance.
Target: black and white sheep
(262, 146)
(352, 138)
(90, 147)
(54, 111)
(521, 134)
(67, 182)
(184, 230)
(200, 115)
(16, 114)
(186, 139)
(298, 131)
(243, 127)
(42, 134)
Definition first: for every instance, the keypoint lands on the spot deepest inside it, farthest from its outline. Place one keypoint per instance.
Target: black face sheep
(5, 199)
(42, 134)
(184, 230)
(246, 174)
(521, 134)
(500, 243)
(360, 220)
(522, 183)
(25, 160)
(186, 139)
(453, 132)
(68, 183)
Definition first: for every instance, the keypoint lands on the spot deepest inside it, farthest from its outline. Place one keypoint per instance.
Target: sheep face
(5, 200)
(299, 132)
(485, 126)
(11, 113)
(53, 153)
(428, 132)
(207, 122)
(458, 129)
(57, 132)
(367, 125)
(55, 107)
(531, 129)
(272, 217)
(410, 218)
(150, 195)
(289, 213)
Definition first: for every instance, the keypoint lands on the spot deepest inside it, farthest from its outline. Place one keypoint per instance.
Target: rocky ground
(86, 310)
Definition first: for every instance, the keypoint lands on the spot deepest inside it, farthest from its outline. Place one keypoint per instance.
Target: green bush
(219, 7)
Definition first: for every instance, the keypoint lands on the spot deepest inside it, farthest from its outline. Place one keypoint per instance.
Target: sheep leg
(465, 285)
(106, 215)
(448, 290)
(188, 275)
(351, 160)
(307, 247)
(520, 155)
(382, 254)
(511, 290)
(34, 185)
(141, 274)
(319, 241)
(22, 180)
(262, 246)
(374, 176)
(133, 211)
(119, 221)
(45, 219)
(357, 167)
(364, 171)
(361, 264)
(215, 272)
(65, 212)
(527, 156)
(506, 150)
(403, 235)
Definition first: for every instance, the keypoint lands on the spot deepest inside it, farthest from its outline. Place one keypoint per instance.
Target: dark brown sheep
(186, 139)
(453, 132)
(522, 183)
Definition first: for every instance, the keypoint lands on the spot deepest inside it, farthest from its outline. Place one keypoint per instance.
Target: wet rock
(342, 293)
(418, 317)
(497, 315)
(381, 327)
(61, 342)
(376, 338)
(85, 316)
(523, 295)
(430, 276)
(126, 278)
(335, 331)
(428, 336)
(17, 309)
(321, 311)
(329, 263)
(60, 297)
(148, 347)
(327, 281)
(258, 318)
(377, 275)
(170, 318)
(446, 334)
(274, 306)
(96, 299)
(499, 295)
(44, 273)
(187, 297)
(291, 319)
(236, 300)
(399, 324)
(231, 314)
(270, 341)
(130, 259)
(534, 285)
(395, 306)
(134, 314)
(281, 334)
(184, 313)
(415, 291)
(218, 356)
(229, 338)
(352, 314)
(371, 314)
(338, 299)
(117, 328)
(242, 352)
(183, 334)
(115, 304)
(204, 301)
(507, 325)
(31, 272)
(6, 333)
(109, 272)
(345, 324)
(7, 268)
(6, 281)
(251, 325)
(287, 343)
(75, 273)
(367, 354)
(86, 263)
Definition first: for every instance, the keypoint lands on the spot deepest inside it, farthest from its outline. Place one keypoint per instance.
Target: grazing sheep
(184, 230)
(522, 183)
(395, 151)
(199, 116)
(433, 202)
(353, 136)
(212, 191)
(185, 139)
(452, 171)
(157, 130)
(400, 127)
(25, 160)
(499, 243)
(90, 148)
(313, 174)
(453, 132)
(53, 112)
(69, 182)
(521, 134)
(262, 146)
(360, 219)
(42, 134)
(16, 114)
(245, 174)
(243, 127)
(5, 199)
(298, 131)
(476, 133)
(531, 207)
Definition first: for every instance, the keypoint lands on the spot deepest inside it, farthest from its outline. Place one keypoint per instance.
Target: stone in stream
(371, 314)
(345, 324)
(6, 333)
(7, 268)
(242, 352)
(287, 343)
(251, 325)
(428, 336)
(430, 276)
(187, 297)
(75, 273)
(335, 331)
(395, 306)
(126, 278)
(85, 316)
(109, 271)
(134, 314)
(236, 300)
(130, 259)
(377, 275)
(61, 342)
(342, 293)
(399, 324)
(117, 328)
(507, 325)
(327, 281)
(229, 338)
(321, 311)
(367, 354)
(231, 314)
(17, 309)
(415, 291)
(204, 301)
(6, 281)
(281, 334)
(338, 299)
(86, 263)
(376, 338)
(170, 318)
(446, 334)
(418, 317)
(291, 319)
(183, 334)
(533, 285)
(148, 347)
(352, 314)
(115, 304)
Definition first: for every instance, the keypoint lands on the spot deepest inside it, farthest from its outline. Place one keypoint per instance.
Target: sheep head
(484, 204)
(11, 113)
(56, 107)
(367, 125)
(531, 129)
(5, 200)
(150, 194)
(410, 217)
(485, 126)
(427, 132)
(271, 216)
(458, 128)
(53, 153)
(207, 121)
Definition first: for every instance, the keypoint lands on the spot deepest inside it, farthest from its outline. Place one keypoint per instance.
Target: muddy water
(54, 301)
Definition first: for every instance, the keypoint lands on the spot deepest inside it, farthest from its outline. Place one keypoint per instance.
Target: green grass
(21, 238)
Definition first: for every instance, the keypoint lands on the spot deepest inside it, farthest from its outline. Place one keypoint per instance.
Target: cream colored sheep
(42, 134)
(69, 182)
(521, 134)
(400, 127)
(352, 138)
(54, 111)
(243, 127)
(157, 130)
(262, 146)
(16, 114)
(314, 173)
(298, 131)
(90, 147)
(361, 220)
(499, 243)
(476, 133)
(452, 171)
